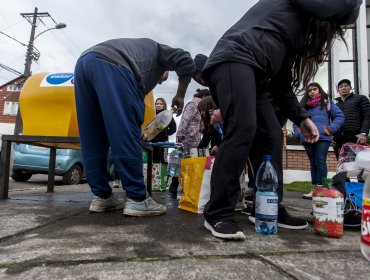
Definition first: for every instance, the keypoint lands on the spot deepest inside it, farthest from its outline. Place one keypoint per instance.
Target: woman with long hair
(328, 118)
(158, 152)
(260, 51)
(206, 107)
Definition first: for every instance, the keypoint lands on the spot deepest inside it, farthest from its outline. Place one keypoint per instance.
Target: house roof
(14, 80)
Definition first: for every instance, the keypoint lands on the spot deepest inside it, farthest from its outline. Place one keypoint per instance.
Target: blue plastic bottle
(266, 198)
(174, 161)
(220, 129)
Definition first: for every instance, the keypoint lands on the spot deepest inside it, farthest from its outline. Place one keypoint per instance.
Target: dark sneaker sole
(253, 220)
(97, 209)
(136, 213)
(236, 236)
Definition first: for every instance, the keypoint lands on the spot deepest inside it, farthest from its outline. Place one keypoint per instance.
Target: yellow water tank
(47, 105)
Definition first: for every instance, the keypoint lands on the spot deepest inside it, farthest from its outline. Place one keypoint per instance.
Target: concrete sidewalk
(53, 236)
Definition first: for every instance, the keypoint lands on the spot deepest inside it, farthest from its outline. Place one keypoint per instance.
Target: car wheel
(73, 176)
(19, 176)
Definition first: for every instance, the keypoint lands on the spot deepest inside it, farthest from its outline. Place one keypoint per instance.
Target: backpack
(352, 192)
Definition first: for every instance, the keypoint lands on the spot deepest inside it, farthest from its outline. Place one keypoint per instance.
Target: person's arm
(284, 97)
(337, 118)
(180, 61)
(365, 113)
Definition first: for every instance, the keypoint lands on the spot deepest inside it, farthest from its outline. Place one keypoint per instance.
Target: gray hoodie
(147, 59)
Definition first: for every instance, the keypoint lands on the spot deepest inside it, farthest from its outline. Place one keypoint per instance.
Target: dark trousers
(268, 139)
(317, 153)
(235, 89)
(110, 111)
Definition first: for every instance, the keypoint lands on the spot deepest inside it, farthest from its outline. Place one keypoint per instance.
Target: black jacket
(269, 37)
(356, 110)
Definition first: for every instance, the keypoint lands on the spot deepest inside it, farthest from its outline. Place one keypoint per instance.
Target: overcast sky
(194, 25)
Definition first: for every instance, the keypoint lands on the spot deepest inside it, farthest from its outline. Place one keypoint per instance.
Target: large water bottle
(160, 122)
(174, 161)
(266, 198)
(365, 226)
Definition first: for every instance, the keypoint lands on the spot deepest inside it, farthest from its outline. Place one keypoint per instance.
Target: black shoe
(225, 230)
(248, 210)
(285, 220)
(352, 219)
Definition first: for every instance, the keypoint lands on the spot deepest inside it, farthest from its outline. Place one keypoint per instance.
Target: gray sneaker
(147, 207)
(108, 204)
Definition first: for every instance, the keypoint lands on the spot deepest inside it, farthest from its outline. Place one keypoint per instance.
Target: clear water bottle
(365, 225)
(174, 161)
(266, 198)
(160, 122)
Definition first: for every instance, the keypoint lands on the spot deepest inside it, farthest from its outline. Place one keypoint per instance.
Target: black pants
(342, 139)
(234, 85)
(268, 139)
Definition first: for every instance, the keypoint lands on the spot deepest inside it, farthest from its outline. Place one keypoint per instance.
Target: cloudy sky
(194, 25)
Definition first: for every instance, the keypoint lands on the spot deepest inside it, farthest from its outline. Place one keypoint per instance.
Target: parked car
(30, 160)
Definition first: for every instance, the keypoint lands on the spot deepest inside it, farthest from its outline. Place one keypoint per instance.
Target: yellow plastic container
(47, 105)
(149, 109)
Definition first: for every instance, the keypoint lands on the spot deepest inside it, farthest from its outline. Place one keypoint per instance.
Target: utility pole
(32, 54)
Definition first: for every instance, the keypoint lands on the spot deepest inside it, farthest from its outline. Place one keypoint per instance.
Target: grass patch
(304, 187)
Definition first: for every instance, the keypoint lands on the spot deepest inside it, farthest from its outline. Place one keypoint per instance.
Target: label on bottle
(266, 205)
(365, 225)
(328, 209)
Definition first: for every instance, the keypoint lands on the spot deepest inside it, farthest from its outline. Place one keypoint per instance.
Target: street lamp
(57, 26)
(30, 48)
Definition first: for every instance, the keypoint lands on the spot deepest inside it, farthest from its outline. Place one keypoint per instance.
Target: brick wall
(295, 157)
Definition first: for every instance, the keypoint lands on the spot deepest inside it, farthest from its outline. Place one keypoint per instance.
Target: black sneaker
(225, 230)
(285, 220)
(248, 210)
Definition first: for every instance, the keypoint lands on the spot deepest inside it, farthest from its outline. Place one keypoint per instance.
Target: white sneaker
(108, 204)
(115, 184)
(307, 195)
(147, 207)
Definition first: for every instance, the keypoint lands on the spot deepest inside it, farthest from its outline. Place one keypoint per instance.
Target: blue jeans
(317, 154)
(110, 111)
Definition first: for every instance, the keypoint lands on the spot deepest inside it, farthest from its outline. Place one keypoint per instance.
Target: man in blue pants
(111, 81)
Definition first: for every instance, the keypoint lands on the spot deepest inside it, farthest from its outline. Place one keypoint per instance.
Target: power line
(23, 44)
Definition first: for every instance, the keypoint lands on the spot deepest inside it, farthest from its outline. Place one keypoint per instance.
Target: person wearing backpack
(328, 118)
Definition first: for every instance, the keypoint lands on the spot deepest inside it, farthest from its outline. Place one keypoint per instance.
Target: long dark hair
(324, 96)
(318, 43)
(200, 93)
(204, 106)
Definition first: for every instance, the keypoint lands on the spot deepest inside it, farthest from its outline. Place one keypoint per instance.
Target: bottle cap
(266, 157)
(327, 180)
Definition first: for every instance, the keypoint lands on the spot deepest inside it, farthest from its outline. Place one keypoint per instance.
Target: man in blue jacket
(111, 81)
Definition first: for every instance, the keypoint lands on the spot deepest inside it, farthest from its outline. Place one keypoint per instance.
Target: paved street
(53, 236)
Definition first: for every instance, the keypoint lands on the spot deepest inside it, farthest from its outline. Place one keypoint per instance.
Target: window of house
(10, 108)
(14, 87)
